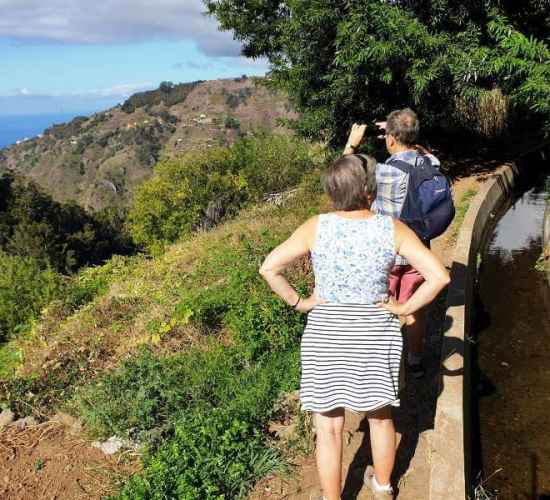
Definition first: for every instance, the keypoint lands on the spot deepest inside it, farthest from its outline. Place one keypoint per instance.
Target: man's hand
(355, 138)
(382, 126)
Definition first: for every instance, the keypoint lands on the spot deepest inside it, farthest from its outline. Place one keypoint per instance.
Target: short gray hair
(350, 181)
(403, 124)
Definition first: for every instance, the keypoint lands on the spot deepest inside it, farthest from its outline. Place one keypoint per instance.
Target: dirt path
(47, 461)
(413, 420)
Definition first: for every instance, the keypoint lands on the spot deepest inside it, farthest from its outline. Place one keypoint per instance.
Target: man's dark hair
(350, 181)
(404, 126)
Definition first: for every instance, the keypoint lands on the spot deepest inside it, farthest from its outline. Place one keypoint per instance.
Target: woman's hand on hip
(307, 304)
(392, 306)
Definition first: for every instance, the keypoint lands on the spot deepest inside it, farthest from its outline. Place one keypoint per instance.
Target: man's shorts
(404, 280)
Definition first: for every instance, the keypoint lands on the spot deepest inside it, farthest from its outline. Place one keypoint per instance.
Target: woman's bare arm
(426, 263)
(298, 245)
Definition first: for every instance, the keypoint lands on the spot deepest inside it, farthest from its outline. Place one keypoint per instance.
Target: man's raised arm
(355, 138)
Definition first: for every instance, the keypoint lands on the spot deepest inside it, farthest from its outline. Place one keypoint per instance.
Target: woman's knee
(381, 418)
(330, 424)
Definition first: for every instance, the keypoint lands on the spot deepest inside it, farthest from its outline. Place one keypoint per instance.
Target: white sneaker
(377, 494)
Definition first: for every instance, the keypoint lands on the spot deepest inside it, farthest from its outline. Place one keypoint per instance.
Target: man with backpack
(410, 188)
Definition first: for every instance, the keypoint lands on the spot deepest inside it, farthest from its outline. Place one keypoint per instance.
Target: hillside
(98, 161)
(191, 339)
(188, 352)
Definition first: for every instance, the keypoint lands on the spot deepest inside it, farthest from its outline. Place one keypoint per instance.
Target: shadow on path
(418, 402)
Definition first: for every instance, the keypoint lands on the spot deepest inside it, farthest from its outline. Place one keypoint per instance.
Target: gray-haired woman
(351, 347)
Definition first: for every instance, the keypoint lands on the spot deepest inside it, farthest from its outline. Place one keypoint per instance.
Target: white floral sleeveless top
(352, 258)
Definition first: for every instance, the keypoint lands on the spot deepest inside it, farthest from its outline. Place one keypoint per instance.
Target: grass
(481, 491)
(214, 445)
(204, 411)
(10, 357)
(146, 291)
(541, 265)
(461, 210)
(187, 352)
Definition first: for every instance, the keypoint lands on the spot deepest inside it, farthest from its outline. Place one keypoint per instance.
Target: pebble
(74, 425)
(109, 447)
(286, 432)
(113, 445)
(6, 418)
(23, 423)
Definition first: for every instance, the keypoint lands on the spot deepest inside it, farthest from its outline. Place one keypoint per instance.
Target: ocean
(16, 127)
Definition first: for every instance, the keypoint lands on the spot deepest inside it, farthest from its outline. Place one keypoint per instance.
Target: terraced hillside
(97, 161)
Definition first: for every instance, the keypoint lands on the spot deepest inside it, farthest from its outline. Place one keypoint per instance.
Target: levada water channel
(511, 352)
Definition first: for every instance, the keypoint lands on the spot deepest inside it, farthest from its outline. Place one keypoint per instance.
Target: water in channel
(512, 334)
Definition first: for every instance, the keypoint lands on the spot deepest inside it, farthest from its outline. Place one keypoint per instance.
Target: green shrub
(262, 325)
(241, 301)
(213, 456)
(218, 448)
(232, 122)
(198, 187)
(203, 412)
(25, 288)
(93, 281)
(149, 392)
(343, 62)
(172, 202)
(167, 92)
(273, 163)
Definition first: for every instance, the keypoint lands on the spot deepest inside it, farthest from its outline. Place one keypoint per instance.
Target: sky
(68, 56)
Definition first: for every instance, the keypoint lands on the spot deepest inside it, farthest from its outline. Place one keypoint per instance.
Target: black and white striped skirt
(351, 358)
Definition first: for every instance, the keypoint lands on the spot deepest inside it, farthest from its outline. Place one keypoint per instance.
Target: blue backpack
(428, 208)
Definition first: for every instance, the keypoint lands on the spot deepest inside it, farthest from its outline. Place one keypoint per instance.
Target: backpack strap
(406, 166)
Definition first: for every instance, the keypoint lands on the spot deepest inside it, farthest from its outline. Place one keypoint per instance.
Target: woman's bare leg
(329, 427)
(382, 438)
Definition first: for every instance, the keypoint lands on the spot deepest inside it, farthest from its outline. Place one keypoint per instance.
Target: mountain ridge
(98, 161)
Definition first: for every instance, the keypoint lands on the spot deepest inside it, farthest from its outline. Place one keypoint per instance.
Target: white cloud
(193, 65)
(114, 21)
(122, 90)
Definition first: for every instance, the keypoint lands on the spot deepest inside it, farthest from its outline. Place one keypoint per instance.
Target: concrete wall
(546, 239)
(449, 448)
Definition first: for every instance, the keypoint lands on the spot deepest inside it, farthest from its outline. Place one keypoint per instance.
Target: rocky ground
(53, 461)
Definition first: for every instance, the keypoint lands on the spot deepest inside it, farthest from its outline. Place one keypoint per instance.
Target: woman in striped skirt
(351, 347)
